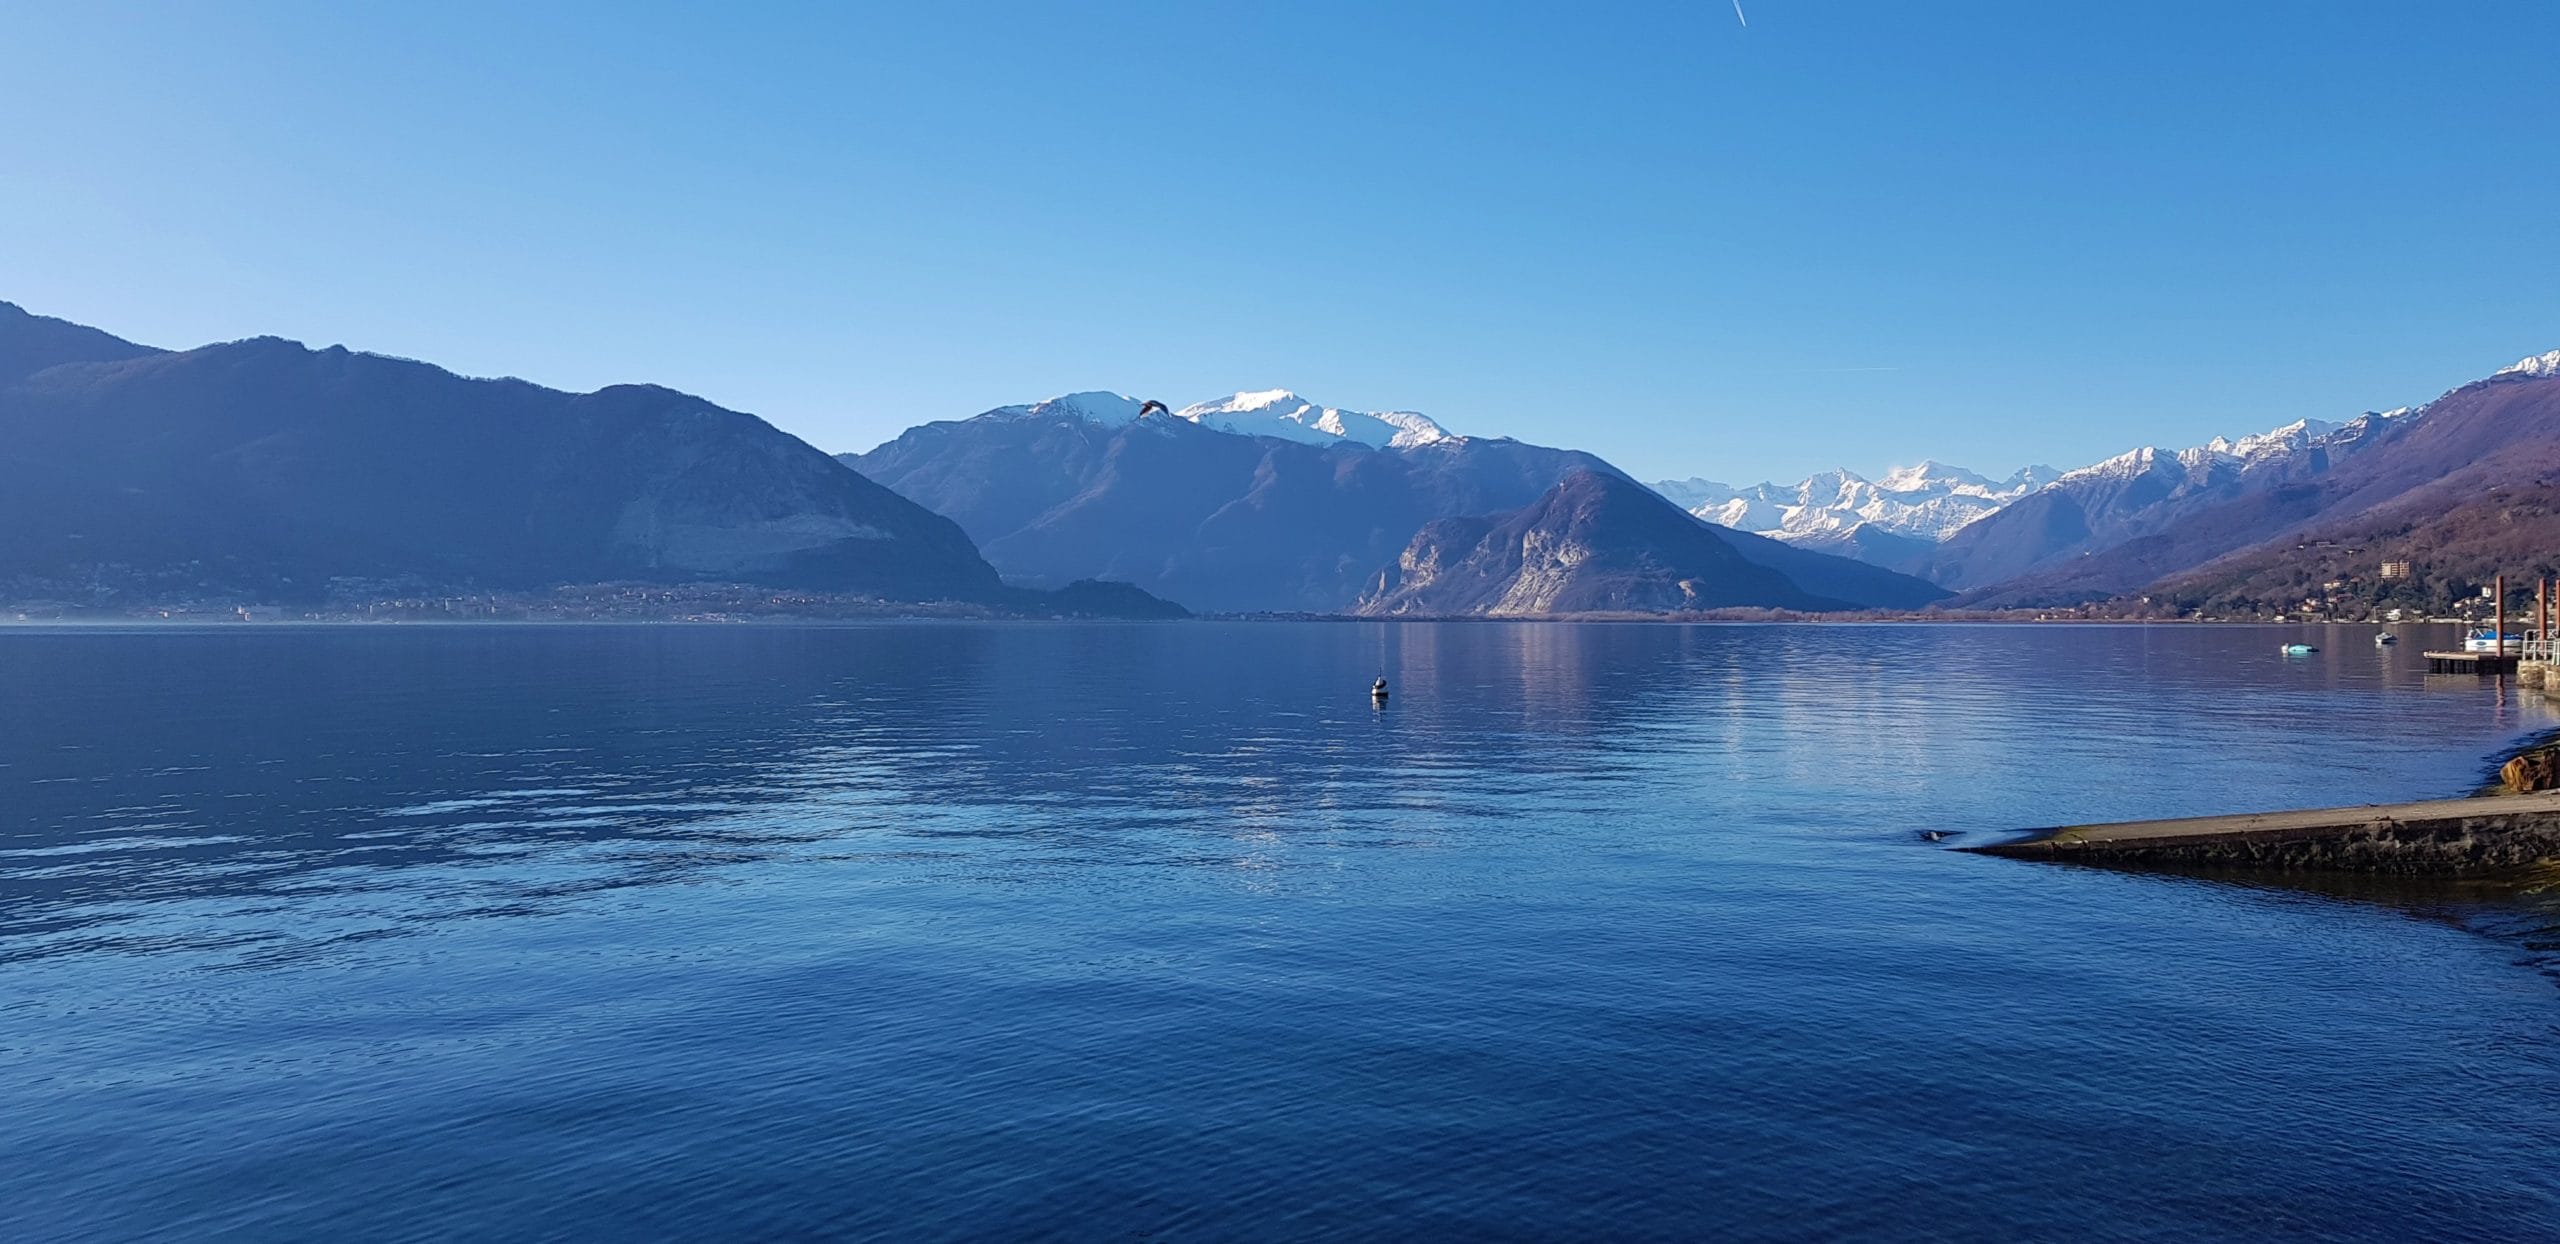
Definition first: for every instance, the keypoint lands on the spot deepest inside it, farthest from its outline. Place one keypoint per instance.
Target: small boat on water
(2486, 640)
(2385, 640)
(2296, 650)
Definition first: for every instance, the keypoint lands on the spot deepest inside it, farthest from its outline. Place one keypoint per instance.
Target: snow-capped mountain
(1269, 412)
(2535, 366)
(1110, 410)
(1253, 502)
(1939, 520)
(2453, 487)
(1281, 413)
(2145, 490)
(1928, 502)
(2249, 455)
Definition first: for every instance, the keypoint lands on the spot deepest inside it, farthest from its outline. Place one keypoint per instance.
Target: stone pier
(2443, 837)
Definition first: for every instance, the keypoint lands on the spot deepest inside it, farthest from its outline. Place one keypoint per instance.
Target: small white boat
(2486, 640)
(2385, 640)
(2296, 650)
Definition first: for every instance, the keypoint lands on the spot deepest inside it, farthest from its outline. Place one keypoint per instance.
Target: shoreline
(2492, 833)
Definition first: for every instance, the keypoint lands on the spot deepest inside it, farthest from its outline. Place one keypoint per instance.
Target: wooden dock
(2442, 837)
(2483, 663)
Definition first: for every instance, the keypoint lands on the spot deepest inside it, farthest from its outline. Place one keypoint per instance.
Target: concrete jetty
(2482, 663)
(2441, 838)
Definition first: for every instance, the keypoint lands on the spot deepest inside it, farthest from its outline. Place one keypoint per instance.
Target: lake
(968, 930)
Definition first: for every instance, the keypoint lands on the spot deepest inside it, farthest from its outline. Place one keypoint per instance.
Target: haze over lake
(947, 930)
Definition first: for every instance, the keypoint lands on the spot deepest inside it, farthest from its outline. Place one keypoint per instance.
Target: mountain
(2463, 490)
(1278, 412)
(2100, 529)
(32, 343)
(262, 466)
(1600, 543)
(1839, 578)
(1871, 544)
(1262, 501)
(1893, 521)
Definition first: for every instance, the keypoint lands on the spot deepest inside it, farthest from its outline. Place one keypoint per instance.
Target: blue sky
(1851, 234)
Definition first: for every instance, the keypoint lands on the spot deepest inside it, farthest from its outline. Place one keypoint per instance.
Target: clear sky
(1849, 234)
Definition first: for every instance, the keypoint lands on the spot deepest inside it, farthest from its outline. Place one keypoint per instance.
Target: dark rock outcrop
(2531, 771)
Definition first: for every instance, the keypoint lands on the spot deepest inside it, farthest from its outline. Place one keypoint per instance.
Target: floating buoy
(1378, 689)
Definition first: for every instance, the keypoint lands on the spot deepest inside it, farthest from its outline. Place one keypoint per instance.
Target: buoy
(1378, 689)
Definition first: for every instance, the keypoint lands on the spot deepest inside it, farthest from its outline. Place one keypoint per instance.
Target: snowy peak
(1931, 474)
(1268, 412)
(2125, 465)
(2276, 449)
(1281, 413)
(1933, 501)
(2536, 366)
(1111, 410)
(1926, 502)
(2030, 479)
(2292, 437)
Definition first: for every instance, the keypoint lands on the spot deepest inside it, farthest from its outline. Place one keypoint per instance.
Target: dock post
(2533, 668)
(2501, 632)
(2551, 613)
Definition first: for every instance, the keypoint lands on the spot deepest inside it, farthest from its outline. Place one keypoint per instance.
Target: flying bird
(1737, 15)
(1150, 405)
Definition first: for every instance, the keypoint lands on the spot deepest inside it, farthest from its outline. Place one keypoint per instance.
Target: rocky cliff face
(1600, 543)
(267, 467)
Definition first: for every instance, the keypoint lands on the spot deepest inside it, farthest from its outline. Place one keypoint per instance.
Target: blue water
(1164, 931)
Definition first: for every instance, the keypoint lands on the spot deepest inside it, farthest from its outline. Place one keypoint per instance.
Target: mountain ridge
(1928, 501)
(2461, 492)
(268, 468)
(1237, 517)
(2092, 533)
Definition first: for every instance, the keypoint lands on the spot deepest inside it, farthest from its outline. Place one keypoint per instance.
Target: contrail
(1737, 15)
